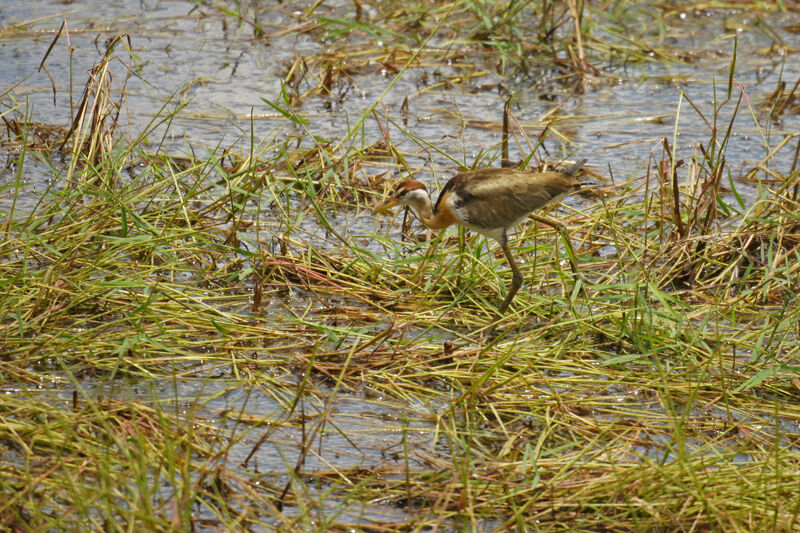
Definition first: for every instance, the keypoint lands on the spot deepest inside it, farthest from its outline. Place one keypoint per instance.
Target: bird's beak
(388, 204)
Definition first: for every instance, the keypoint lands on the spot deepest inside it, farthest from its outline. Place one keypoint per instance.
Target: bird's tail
(572, 170)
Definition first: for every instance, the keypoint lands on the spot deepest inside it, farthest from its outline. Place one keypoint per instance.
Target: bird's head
(407, 192)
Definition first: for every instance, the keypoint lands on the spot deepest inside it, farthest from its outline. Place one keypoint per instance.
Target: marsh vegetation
(204, 326)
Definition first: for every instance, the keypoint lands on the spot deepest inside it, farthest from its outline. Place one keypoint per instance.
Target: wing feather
(500, 197)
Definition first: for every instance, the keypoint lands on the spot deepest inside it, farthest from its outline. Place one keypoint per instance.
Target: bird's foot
(495, 329)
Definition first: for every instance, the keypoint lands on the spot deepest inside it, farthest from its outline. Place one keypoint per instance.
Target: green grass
(182, 336)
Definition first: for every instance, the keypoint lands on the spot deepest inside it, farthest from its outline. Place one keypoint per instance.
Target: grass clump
(230, 339)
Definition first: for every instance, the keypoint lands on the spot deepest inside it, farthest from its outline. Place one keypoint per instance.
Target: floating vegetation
(226, 337)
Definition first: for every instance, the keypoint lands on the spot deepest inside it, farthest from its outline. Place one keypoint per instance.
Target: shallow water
(228, 71)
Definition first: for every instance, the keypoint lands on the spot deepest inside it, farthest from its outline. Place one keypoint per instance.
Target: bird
(491, 201)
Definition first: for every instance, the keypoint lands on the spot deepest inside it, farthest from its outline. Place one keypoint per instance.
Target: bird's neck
(435, 221)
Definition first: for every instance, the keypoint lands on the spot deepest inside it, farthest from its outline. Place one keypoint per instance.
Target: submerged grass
(215, 341)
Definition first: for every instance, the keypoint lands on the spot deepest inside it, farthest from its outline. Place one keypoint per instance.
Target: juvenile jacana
(491, 201)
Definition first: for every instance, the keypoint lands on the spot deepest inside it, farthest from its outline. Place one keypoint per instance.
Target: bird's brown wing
(498, 197)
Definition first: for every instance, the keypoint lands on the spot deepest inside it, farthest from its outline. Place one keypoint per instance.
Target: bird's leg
(516, 280)
(562, 230)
